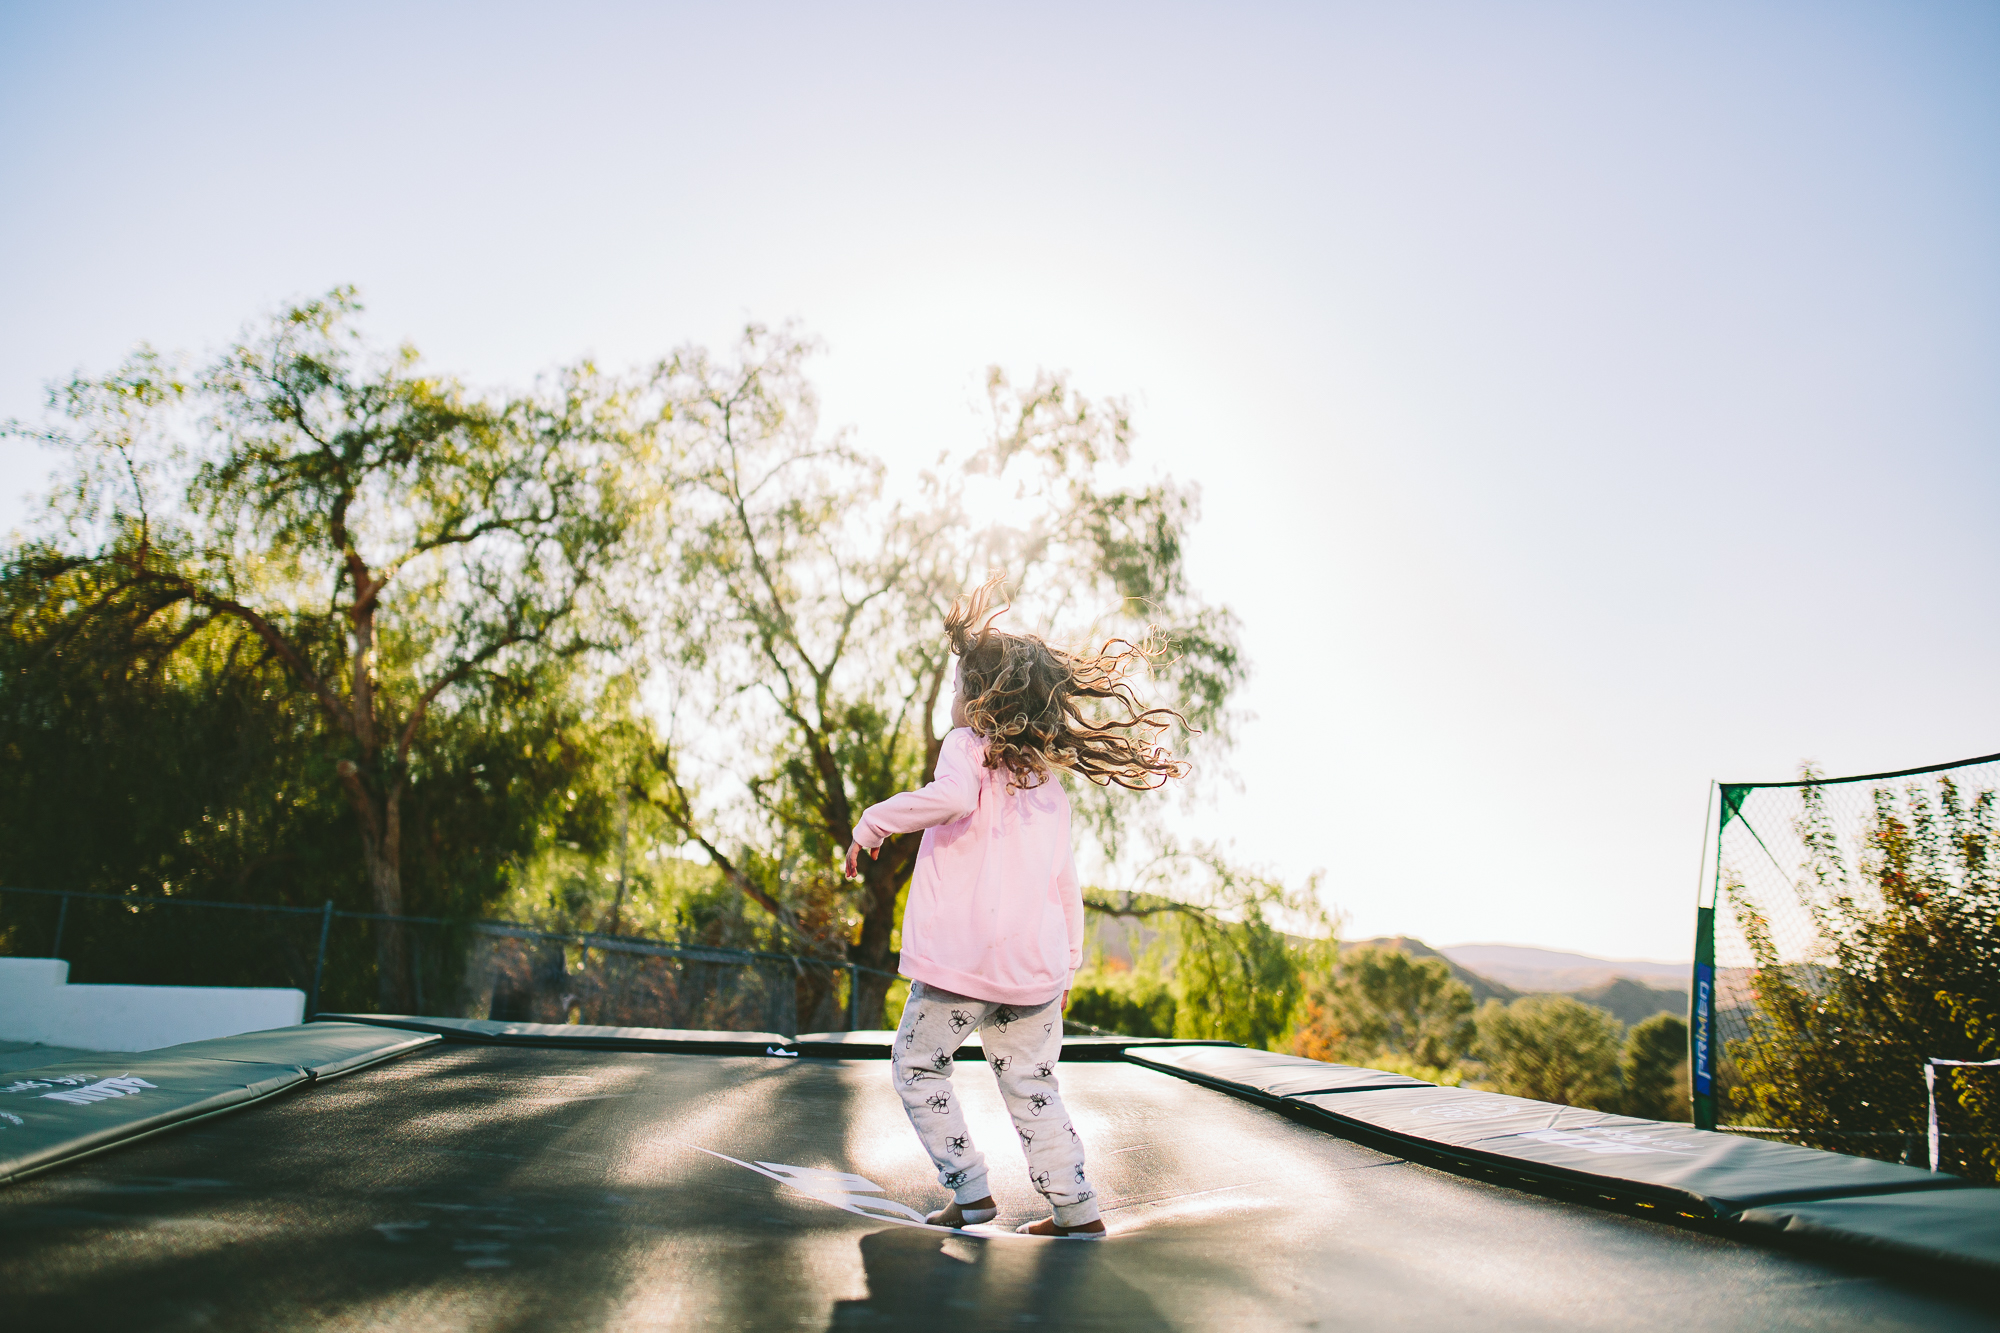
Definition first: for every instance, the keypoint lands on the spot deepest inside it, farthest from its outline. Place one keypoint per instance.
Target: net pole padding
(1931, 1067)
(1700, 1086)
(1701, 1020)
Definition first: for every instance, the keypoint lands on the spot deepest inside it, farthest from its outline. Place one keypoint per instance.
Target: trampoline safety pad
(54, 1113)
(1719, 1176)
(484, 1186)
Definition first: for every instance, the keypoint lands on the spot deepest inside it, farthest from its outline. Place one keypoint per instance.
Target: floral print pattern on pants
(1022, 1047)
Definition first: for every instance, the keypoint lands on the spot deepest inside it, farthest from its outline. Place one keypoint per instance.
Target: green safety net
(1854, 934)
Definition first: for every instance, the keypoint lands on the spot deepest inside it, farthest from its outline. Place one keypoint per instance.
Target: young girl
(993, 926)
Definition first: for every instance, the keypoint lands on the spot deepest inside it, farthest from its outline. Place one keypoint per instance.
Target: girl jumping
(993, 926)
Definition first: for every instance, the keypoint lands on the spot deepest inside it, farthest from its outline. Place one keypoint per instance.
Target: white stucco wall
(38, 1004)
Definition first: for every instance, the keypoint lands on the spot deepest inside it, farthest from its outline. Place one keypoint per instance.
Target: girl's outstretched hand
(854, 858)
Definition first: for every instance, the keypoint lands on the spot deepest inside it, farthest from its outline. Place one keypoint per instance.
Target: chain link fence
(464, 969)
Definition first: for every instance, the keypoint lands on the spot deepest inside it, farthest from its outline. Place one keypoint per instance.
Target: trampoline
(519, 1187)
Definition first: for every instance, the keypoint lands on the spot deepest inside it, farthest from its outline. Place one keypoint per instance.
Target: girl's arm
(952, 794)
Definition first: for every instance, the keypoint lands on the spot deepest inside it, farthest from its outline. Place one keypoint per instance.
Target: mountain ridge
(1628, 999)
(1529, 968)
(1515, 970)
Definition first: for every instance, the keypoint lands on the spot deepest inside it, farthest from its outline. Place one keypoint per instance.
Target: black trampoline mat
(500, 1188)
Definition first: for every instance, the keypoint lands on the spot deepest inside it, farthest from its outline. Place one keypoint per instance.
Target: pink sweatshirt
(994, 910)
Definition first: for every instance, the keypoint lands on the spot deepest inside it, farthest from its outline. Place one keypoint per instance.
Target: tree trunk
(881, 878)
(381, 851)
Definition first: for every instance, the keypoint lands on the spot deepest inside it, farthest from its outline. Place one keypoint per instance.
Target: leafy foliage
(1236, 973)
(1908, 970)
(1379, 1002)
(1653, 1069)
(390, 553)
(1551, 1048)
(1131, 1001)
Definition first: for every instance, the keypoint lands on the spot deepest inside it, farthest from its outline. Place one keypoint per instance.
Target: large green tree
(799, 631)
(399, 549)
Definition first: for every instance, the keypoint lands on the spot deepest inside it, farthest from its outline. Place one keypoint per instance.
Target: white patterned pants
(1022, 1047)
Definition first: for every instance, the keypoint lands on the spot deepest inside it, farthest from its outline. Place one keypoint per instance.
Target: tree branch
(677, 811)
(293, 659)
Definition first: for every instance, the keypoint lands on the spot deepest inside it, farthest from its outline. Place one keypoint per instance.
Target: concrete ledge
(37, 1004)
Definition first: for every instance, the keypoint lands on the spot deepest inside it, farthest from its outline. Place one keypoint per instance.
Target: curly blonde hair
(1025, 698)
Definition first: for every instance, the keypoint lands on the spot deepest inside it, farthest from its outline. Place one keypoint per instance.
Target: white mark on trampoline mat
(842, 1189)
(124, 1085)
(1605, 1141)
(1480, 1110)
(848, 1192)
(394, 1231)
(30, 1084)
(486, 1253)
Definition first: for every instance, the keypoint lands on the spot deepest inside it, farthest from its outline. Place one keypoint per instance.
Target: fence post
(62, 919)
(853, 996)
(319, 965)
(1930, 1091)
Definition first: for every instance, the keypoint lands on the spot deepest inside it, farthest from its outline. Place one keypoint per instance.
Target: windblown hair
(1026, 698)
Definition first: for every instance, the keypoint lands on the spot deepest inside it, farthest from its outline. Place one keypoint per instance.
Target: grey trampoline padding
(865, 1044)
(1958, 1225)
(1266, 1074)
(878, 1044)
(320, 1050)
(70, 1109)
(488, 1188)
(1721, 1174)
(28, 1054)
(578, 1036)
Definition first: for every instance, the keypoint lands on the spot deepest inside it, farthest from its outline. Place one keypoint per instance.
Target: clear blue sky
(1589, 400)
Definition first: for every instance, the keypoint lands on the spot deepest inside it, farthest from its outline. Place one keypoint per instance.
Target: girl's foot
(959, 1215)
(1049, 1227)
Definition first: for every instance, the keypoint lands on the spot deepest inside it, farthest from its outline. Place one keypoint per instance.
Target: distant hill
(1628, 1000)
(1483, 987)
(1633, 1001)
(1530, 969)
(1630, 991)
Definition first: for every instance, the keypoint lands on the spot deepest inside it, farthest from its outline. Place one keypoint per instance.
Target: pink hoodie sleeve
(952, 794)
